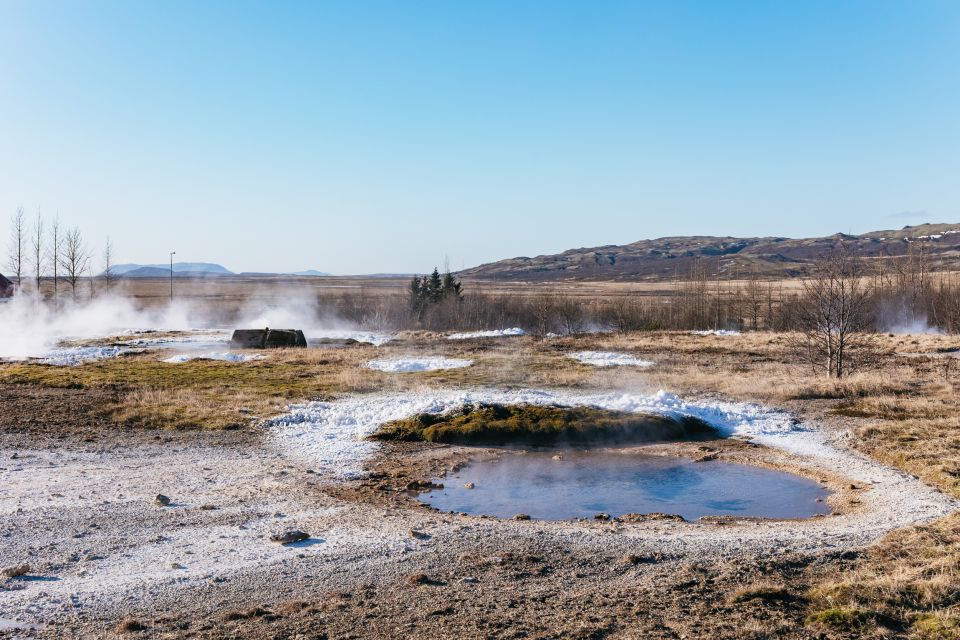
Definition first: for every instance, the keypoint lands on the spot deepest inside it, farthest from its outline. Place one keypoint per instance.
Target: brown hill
(666, 258)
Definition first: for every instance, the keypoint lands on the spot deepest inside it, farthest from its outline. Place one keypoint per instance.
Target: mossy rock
(534, 425)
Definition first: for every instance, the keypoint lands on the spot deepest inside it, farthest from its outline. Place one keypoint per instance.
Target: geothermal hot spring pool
(586, 483)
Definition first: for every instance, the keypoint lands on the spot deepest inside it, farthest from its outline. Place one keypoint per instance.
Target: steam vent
(267, 338)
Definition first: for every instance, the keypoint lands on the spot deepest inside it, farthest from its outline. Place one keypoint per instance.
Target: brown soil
(34, 410)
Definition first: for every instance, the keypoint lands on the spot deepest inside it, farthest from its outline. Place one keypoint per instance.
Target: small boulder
(521, 516)
(289, 537)
(16, 571)
(468, 485)
(161, 500)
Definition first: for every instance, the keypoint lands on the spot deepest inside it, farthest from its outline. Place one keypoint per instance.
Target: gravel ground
(81, 514)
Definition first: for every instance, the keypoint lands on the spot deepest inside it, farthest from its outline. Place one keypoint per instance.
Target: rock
(176, 565)
(469, 580)
(521, 516)
(162, 500)
(643, 517)
(423, 485)
(16, 571)
(289, 537)
(602, 516)
(634, 559)
(267, 338)
(207, 507)
(419, 535)
(468, 485)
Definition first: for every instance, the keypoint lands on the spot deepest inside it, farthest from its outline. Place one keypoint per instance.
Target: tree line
(831, 314)
(43, 250)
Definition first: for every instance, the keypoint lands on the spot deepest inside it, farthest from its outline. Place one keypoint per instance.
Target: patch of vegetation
(496, 424)
(936, 627)
(841, 619)
(198, 394)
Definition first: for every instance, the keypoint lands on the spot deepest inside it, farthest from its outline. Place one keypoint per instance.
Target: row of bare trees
(44, 251)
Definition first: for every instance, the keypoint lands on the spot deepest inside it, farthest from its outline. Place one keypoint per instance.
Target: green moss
(495, 424)
(841, 619)
(930, 627)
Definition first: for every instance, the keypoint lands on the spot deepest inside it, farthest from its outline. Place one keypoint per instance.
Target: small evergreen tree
(431, 290)
(452, 287)
(435, 287)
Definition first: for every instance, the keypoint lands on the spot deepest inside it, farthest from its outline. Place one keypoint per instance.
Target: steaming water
(584, 484)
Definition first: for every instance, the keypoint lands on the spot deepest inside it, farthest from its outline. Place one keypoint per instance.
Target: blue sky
(360, 137)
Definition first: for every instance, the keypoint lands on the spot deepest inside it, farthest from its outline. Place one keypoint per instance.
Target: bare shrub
(834, 314)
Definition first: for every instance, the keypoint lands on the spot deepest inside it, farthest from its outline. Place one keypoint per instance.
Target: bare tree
(55, 254)
(36, 241)
(109, 277)
(18, 238)
(834, 313)
(75, 258)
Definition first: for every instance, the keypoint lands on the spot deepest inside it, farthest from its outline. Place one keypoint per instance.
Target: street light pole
(172, 253)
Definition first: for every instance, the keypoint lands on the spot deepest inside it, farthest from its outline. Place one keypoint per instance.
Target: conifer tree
(452, 286)
(435, 287)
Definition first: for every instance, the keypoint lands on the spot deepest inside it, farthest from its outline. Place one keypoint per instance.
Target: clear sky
(360, 137)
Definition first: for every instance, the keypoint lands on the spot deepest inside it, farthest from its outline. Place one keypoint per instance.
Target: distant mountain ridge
(179, 268)
(193, 270)
(665, 258)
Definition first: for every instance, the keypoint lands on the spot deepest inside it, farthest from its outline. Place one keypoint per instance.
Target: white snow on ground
(495, 333)
(609, 359)
(225, 356)
(73, 356)
(376, 339)
(330, 435)
(195, 335)
(716, 332)
(408, 365)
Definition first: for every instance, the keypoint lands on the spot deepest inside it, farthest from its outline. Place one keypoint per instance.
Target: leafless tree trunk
(109, 277)
(55, 254)
(834, 312)
(37, 247)
(75, 258)
(18, 239)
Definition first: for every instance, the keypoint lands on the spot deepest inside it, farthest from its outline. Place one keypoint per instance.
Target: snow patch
(331, 436)
(608, 359)
(376, 339)
(224, 356)
(195, 335)
(73, 356)
(716, 332)
(495, 333)
(407, 365)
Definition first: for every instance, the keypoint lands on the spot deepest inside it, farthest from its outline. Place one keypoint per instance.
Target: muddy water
(584, 484)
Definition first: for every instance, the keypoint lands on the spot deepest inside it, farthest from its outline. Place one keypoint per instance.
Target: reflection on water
(585, 483)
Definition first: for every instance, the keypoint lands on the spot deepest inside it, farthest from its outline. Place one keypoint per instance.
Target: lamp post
(172, 253)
